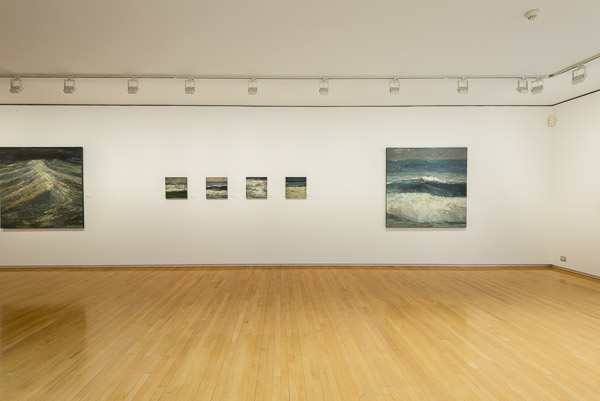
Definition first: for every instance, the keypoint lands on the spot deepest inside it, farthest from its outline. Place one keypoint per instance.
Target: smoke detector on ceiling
(532, 14)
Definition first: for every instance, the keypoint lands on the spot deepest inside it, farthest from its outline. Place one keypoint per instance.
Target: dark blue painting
(426, 187)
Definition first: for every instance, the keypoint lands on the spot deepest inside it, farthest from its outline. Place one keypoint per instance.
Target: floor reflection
(38, 340)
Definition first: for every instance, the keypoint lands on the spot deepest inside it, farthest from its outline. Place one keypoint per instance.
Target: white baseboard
(575, 272)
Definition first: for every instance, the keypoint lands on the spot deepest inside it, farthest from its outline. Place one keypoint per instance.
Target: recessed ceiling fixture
(462, 86)
(532, 14)
(537, 86)
(324, 87)
(522, 86)
(394, 86)
(190, 86)
(133, 86)
(69, 86)
(252, 87)
(579, 74)
(16, 85)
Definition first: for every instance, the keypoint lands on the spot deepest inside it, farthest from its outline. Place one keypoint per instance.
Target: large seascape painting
(41, 187)
(426, 187)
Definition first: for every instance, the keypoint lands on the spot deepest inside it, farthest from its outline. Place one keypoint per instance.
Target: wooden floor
(299, 334)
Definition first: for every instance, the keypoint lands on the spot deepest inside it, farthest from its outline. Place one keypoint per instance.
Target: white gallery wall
(576, 185)
(128, 151)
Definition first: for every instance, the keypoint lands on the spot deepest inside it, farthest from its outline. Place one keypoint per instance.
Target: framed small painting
(176, 187)
(295, 187)
(256, 187)
(216, 187)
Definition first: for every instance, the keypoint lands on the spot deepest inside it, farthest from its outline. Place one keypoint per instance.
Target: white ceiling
(300, 38)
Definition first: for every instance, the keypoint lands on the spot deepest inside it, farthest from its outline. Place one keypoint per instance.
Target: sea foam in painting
(426, 187)
(216, 187)
(256, 187)
(176, 187)
(41, 187)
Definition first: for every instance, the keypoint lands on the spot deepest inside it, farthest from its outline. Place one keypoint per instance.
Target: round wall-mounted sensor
(532, 14)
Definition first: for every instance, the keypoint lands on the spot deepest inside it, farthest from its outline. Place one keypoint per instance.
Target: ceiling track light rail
(578, 70)
(276, 77)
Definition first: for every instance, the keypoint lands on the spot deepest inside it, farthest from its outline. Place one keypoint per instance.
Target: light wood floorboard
(314, 334)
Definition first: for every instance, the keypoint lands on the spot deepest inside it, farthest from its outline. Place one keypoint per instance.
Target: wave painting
(176, 187)
(295, 187)
(256, 187)
(216, 187)
(426, 187)
(41, 187)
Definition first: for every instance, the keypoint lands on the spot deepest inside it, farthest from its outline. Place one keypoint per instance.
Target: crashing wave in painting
(176, 188)
(216, 187)
(256, 187)
(41, 187)
(426, 187)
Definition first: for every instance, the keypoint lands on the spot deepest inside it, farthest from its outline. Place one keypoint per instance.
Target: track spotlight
(579, 74)
(252, 87)
(190, 86)
(133, 86)
(16, 85)
(69, 86)
(532, 14)
(522, 86)
(537, 86)
(394, 86)
(462, 86)
(324, 87)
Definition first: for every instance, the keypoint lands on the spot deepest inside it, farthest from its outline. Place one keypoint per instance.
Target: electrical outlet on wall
(563, 258)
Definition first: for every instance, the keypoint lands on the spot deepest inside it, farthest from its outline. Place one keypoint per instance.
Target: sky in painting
(426, 153)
